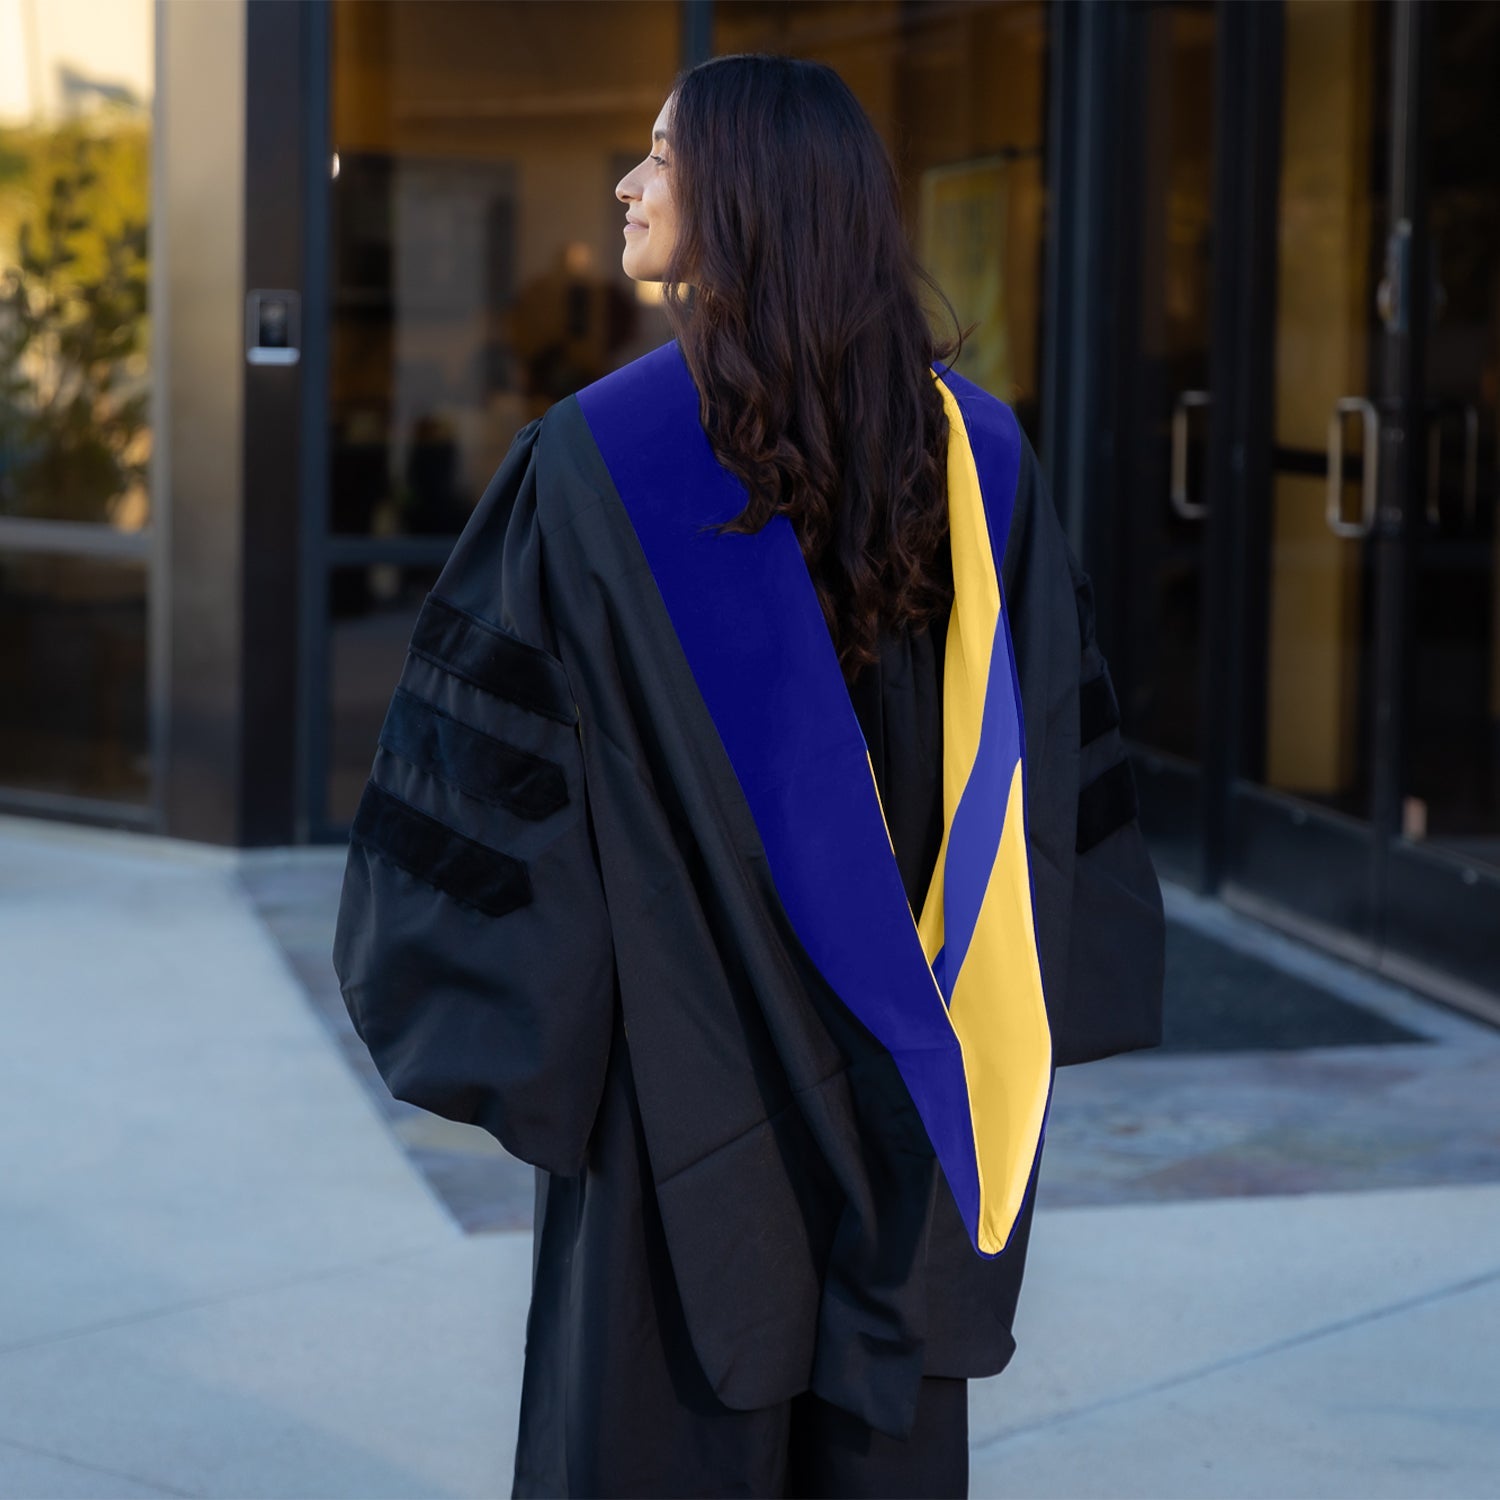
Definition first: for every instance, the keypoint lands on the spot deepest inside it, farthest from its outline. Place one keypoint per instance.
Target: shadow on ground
(1281, 1071)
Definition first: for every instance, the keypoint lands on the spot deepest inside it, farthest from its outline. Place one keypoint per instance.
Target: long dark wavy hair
(797, 302)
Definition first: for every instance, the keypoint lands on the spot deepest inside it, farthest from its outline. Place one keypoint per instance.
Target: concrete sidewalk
(227, 1271)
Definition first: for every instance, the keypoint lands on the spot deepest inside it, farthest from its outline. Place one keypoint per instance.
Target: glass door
(1364, 803)
(1163, 301)
(1443, 907)
(1295, 542)
(1301, 834)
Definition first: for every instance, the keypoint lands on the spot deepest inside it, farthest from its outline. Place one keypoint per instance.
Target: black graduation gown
(614, 1401)
(557, 923)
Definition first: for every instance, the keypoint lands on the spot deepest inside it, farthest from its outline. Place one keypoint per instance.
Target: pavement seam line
(194, 1304)
(1249, 1356)
(83, 1463)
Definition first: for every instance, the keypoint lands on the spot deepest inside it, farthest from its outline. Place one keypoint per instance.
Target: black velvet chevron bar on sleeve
(492, 659)
(485, 879)
(486, 768)
(1107, 803)
(1098, 709)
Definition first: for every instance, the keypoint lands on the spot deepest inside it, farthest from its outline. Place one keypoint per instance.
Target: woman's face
(650, 212)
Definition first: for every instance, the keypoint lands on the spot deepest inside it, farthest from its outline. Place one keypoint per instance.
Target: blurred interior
(477, 241)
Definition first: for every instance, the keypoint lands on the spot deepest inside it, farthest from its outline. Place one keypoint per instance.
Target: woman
(735, 856)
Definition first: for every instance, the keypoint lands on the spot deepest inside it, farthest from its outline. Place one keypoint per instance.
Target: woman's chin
(638, 267)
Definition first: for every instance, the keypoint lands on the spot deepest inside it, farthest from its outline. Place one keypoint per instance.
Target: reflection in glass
(374, 610)
(1319, 628)
(1159, 550)
(75, 135)
(476, 238)
(958, 94)
(1453, 696)
(73, 676)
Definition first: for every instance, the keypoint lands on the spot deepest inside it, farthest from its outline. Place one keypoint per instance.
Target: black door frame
(1237, 482)
(1401, 401)
(312, 614)
(1092, 398)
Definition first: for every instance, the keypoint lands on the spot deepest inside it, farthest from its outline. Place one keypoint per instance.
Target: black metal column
(279, 92)
(1405, 314)
(1247, 165)
(1085, 45)
(697, 32)
(312, 623)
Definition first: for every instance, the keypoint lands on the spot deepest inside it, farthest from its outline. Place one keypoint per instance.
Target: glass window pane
(1452, 705)
(476, 238)
(373, 610)
(958, 93)
(1155, 653)
(1319, 634)
(73, 676)
(76, 86)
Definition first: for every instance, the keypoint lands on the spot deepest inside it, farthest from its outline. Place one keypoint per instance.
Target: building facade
(282, 280)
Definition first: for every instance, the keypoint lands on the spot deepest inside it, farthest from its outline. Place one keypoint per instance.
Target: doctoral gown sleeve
(473, 946)
(1100, 926)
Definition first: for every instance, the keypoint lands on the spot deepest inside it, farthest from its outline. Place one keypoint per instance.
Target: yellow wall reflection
(1322, 353)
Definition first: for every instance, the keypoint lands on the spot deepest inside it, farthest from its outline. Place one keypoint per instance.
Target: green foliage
(74, 387)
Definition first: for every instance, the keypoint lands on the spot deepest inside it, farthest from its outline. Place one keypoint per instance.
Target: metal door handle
(1189, 510)
(1351, 406)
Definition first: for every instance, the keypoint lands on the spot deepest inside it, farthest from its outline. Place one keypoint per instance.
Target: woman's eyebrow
(662, 136)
